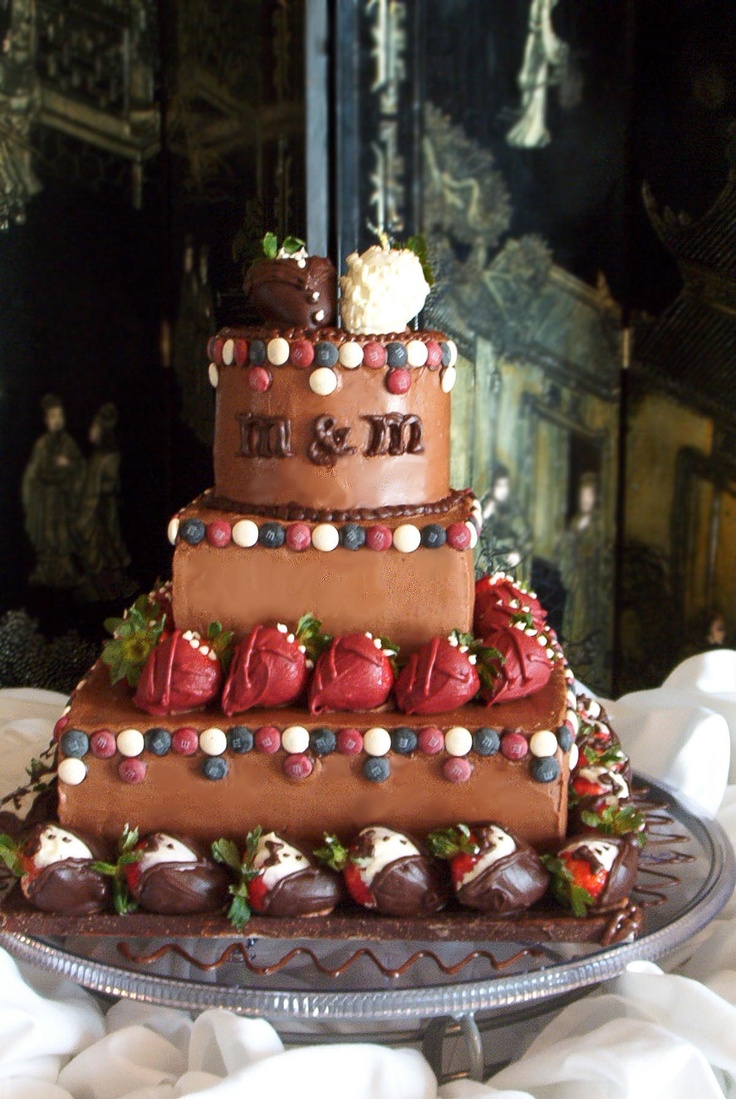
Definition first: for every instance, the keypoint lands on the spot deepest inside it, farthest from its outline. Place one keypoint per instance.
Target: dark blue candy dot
(376, 769)
(272, 535)
(433, 536)
(158, 741)
(257, 352)
(214, 768)
(396, 354)
(325, 354)
(75, 743)
(322, 741)
(192, 531)
(446, 354)
(352, 536)
(546, 769)
(486, 742)
(404, 740)
(565, 738)
(240, 739)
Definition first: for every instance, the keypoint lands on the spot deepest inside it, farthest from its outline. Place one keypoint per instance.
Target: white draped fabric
(657, 1031)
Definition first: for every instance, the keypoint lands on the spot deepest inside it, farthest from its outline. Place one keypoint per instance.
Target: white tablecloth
(654, 1032)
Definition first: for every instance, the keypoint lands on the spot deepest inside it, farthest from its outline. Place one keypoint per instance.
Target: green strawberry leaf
(226, 852)
(292, 244)
(10, 852)
(418, 245)
(309, 633)
(239, 911)
(445, 843)
(564, 888)
(270, 246)
(617, 820)
(222, 642)
(334, 853)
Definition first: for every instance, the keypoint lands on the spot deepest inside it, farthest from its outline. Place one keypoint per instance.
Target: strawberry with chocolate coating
(291, 289)
(443, 675)
(271, 665)
(497, 597)
(173, 875)
(594, 873)
(56, 870)
(492, 869)
(355, 672)
(387, 871)
(183, 672)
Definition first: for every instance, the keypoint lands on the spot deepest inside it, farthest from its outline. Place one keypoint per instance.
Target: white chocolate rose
(383, 289)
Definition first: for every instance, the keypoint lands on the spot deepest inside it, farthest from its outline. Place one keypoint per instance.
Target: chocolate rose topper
(594, 873)
(56, 868)
(387, 871)
(184, 671)
(291, 289)
(445, 674)
(276, 878)
(271, 665)
(492, 869)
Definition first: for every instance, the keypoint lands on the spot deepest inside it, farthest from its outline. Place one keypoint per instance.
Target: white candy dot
(573, 721)
(351, 355)
(228, 352)
(213, 374)
(458, 741)
(416, 353)
(173, 530)
(574, 755)
(278, 351)
(130, 742)
(452, 349)
(72, 771)
(449, 378)
(245, 533)
(377, 741)
(325, 537)
(295, 739)
(323, 381)
(543, 743)
(407, 538)
(473, 535)
(213, 742)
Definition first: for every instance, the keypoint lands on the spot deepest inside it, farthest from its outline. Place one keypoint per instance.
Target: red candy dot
(434, 354)
(431, 740)
(241, 352)
(185, 742)
(458, 536)
(268, 739)
(259, 379)
(457, 769)
(219, 533)
(378, 538)
(297, 765)
(60, 726)
(374, 354)
(301, 353)
(350, 742)
(217, 347)
(132, 770)
(298, 537)
(398, 380)
(102, 744)
(514, 745)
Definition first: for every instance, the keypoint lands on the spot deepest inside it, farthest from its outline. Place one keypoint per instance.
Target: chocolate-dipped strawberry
(56, 870)
(291, 289)
(387, 871)
(594, 873)
(497, 597)
(271, 665)
(183, 672)
(355, 672)
(492, 869)
(173, 875)
(597, 782)
(443, 675)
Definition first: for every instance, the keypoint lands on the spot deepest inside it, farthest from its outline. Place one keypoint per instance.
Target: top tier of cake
(331, 421)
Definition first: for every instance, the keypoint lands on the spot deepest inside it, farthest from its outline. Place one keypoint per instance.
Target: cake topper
(384, 287)
(290, 288)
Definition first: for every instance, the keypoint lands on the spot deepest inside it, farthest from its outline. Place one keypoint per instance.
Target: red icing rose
(178, 676)
(497, 599)
(438, 678)
(352, 674)
(525, 667)
(267, 670)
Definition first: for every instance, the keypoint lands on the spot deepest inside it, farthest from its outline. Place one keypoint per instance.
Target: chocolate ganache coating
(68, 887)
(413, 886)
(181, 888)
(293, 293)
(511, 884)
(622, 877)
(313, 891)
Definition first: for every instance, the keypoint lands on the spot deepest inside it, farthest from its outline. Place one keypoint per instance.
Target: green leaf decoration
(10, 852)
(289, 246)
(270, 246)
(239, 911)
(334, 853)
(226, 852)
(292, 244)
(444, 843)
(617, 820)
(309, 633)
(418, 245)
(133, 637)
(565, 890)
(127, 855)
(488, 660)
(222, 642)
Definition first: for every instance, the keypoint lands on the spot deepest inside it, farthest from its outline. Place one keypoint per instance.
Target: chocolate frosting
(310, 892)
(413, 886)
(622, 877)
(289, 295)
(180, 888)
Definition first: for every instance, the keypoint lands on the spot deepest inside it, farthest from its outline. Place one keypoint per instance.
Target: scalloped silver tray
(687, 876)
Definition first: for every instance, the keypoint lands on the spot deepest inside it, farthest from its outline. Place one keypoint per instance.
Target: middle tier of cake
(405, 575)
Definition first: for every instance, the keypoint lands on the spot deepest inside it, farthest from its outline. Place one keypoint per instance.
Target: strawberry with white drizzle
(387, 871)
(492, 869)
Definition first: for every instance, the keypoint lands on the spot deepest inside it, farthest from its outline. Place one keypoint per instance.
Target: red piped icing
(267, 670)
(352, 674)
(437, 678)
(177, 677)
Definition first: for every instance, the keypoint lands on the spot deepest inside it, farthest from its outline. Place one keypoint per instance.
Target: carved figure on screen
(101, 547)
(19, 105)
(50, 492)
(581, 554)
(506, 541)
(545, 60)
(194, 325)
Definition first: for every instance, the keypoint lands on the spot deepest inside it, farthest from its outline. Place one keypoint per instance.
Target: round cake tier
(331, 421)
